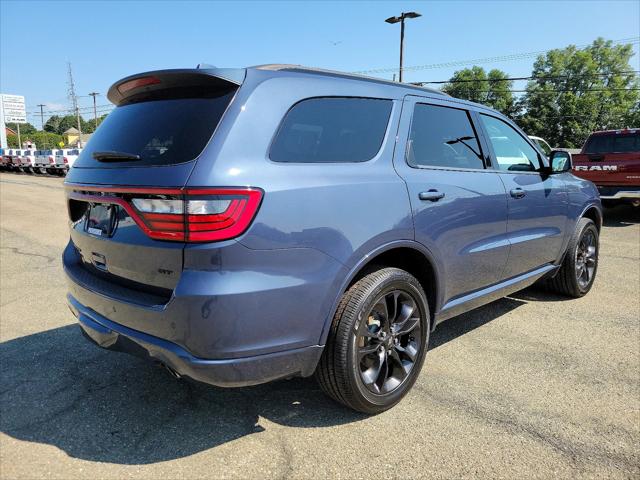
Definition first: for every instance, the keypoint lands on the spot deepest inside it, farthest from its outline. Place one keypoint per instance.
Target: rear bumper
(234, 372)
(621, 196)
(619, 193)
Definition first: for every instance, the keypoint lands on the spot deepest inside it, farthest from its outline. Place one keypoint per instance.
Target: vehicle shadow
(58, 389)
(467, 322)
(621, 216)
(537, 293)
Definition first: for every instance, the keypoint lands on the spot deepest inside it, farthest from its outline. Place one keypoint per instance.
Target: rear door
(538, 203)
(459, 206)
(125, 191)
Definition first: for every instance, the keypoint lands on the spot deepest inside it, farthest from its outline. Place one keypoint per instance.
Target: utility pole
(74, 101)
(403, 16)
(41, 105)
(95, 112)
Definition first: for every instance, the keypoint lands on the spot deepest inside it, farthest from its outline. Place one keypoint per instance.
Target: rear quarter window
(332, 130)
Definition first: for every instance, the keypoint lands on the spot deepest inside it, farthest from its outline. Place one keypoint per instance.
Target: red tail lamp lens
(220, 214)
(137, 83)
(201, 215)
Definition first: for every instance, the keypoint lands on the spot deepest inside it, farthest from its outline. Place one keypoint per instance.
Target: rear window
(332, 130)
(614, 143)
(162, 131)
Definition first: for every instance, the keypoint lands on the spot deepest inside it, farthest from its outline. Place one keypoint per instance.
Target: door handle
(518, 193)
(432, 195)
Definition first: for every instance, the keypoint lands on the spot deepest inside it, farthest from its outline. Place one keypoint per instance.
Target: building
(71, 137)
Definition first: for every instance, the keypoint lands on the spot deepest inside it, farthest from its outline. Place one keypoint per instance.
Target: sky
(106, 41)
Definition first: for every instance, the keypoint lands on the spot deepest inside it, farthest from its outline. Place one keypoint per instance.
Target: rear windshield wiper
(112, 156)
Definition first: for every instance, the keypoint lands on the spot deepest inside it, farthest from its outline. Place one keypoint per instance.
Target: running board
(478, 298)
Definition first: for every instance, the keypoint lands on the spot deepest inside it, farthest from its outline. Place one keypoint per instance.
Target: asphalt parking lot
(531, 386)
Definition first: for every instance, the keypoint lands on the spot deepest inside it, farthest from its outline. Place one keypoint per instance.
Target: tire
(347, 374)
(569, 280)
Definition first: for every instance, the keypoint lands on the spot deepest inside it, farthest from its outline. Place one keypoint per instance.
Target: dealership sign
(13, 109)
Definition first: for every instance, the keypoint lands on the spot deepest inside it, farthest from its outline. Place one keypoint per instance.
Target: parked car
(7, 155)
(28, 160)
(65, 159)
(45, 161)
(14, 159)
(241, 226)
(542, 143)
(611, 160)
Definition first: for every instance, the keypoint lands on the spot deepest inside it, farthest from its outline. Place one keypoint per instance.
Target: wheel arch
(594, 213)
(407, 255)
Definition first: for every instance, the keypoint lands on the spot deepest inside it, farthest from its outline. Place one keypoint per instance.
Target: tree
(574, 92)
(59, 125)
(25, 128)
(490, 89)
(39, 138)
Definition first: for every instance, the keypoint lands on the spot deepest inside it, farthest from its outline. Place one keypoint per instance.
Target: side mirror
(560, 161)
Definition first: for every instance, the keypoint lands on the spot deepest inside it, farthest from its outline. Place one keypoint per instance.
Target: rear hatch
(610, 158)
(125, 194)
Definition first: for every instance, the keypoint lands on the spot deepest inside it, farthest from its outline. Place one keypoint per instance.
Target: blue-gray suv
(244, 225)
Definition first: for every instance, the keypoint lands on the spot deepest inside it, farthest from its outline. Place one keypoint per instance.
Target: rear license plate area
(100, 220)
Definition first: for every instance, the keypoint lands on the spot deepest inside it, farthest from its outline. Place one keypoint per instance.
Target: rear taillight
(65, 159)
(50, 159)
(220, 214)
(191, 215)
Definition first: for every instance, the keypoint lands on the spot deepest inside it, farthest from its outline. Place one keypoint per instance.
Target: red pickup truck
(611, 160)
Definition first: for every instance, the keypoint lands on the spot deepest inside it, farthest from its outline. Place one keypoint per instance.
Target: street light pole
(401, 20)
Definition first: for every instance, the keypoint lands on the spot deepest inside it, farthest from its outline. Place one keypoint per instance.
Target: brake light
(66, 160)
(190, 215)
(137, 83)
(50, 159)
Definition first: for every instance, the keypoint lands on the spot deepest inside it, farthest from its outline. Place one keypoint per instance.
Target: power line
(550, 77)
(563, 90)
(71, 110)
(500, 58)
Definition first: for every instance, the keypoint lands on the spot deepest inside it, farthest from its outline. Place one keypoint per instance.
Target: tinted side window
(326, 130)
(442, 137)
(513, 153)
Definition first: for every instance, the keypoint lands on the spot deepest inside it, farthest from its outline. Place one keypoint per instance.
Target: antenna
(74, 102)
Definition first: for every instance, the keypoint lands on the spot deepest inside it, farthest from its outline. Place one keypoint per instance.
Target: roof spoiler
(162, 79)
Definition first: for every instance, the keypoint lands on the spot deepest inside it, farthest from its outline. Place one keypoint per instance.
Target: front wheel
(578, 271)
(377, 342)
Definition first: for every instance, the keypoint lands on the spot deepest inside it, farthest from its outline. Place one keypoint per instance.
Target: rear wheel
(377, 342)
(578, 271)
